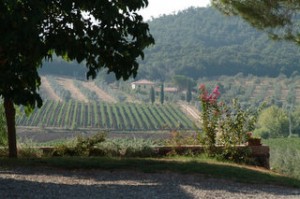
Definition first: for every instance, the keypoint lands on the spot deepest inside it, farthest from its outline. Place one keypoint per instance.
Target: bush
(97, 145)
(262, 132)
(274, 121)
(179, 138)
(81, 147)
(238, 155)
(230, 122)
(125, 148)
(29, 149)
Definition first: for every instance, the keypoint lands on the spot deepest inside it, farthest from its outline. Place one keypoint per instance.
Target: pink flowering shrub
(210, 114)
(230, 121)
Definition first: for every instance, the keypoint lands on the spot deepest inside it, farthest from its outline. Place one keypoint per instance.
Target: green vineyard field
(101, 115)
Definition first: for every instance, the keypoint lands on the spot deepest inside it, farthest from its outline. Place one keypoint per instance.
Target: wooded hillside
(202, 42)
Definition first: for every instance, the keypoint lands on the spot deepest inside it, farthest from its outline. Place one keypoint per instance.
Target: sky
(160, 7)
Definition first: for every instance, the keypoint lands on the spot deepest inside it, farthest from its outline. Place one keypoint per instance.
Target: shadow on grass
(206, 176)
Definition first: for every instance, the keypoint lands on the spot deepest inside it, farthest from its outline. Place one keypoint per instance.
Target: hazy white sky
(159, 7)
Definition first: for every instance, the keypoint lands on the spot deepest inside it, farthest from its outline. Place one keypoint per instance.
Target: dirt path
(190, 110)
(75, 92)
(48, 89)
(100, 93)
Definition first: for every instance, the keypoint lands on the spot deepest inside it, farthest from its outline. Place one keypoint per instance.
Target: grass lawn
(187, 165)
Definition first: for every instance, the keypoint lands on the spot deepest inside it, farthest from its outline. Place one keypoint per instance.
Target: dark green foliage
(33, 30)
(162, 93)
(183, 82)
(203, 43)
(45, 34)
(235, 154)
(189, 93)
(3, 130)
(279, 18)
(152, 95)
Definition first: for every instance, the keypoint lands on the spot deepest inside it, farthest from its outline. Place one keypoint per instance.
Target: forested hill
(202, 42)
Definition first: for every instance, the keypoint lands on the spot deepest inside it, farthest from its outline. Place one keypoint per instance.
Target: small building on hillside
(171, 89)
(142, 84)
(168, 90)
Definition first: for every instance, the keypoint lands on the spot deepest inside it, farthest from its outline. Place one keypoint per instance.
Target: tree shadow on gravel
(150, 179)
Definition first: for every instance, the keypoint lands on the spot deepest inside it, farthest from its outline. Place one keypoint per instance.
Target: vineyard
(249, 90)
(101, 115)
(74, 104)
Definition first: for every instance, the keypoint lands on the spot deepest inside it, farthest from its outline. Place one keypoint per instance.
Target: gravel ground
(53, 183)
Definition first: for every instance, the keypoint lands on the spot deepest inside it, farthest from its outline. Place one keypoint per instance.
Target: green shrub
(179, 138)
(28, 148)
(262, 132)
(274, 121)
(82, 146)
(229, 121)
(126, 148)
(97, 145)
(238, 155)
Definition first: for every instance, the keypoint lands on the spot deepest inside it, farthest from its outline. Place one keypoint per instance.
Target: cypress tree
(189, 93)
(152, 95)
(162, 93)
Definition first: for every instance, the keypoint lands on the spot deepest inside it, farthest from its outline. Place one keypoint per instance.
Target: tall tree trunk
(10, 113)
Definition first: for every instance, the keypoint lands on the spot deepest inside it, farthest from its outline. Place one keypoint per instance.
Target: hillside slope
(202, 42)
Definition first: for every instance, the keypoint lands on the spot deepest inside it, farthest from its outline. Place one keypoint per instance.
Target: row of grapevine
(91, 95)
(59, 89)
(102, 115)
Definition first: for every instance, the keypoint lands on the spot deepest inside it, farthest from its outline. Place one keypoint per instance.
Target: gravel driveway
(55, 183)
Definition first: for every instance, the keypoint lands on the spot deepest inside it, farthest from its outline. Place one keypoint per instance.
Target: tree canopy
(280, 18)
(105, 34)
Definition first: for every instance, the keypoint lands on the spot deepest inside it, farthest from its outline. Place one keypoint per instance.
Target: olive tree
(102, 33)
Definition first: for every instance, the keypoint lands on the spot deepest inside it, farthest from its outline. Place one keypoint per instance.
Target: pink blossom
(202, 87)
(204, 93)
(211, 98)
(216, 91)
